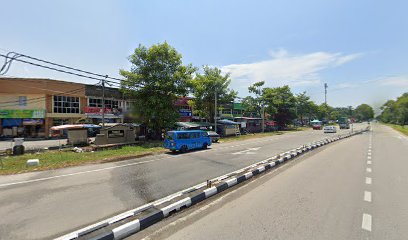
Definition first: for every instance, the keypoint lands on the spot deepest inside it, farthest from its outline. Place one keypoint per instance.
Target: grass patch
(402, 129)
(60, 159)
(259, 135)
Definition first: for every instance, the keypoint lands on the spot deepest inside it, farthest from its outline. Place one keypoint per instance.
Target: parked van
(185, 140)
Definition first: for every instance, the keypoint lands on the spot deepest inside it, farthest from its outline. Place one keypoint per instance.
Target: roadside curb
(195, 194)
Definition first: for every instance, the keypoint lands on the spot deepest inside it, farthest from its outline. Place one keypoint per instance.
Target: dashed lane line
(368, 180)
(367, 196)
(367, 222)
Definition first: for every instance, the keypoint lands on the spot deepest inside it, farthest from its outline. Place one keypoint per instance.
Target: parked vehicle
(330, 129)
(214, 136)
(316, 124)
(186, 140)
(343, 123)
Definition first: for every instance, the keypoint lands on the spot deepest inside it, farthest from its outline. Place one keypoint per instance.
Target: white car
(330, 129)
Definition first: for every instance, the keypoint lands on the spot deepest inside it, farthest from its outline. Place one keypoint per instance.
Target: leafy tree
(156, 79)
(395, 112)
(323, 111)
(249, 103)
(388, 112)
(334, 115)
(364, 112)
(205, 86)
(305, 107)
(280, 103)
(254, 104)
(401, 106)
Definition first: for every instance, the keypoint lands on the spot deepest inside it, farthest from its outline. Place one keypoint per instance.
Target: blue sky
(358, 47)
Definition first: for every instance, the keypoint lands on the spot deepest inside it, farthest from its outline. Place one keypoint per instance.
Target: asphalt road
(353, 189)
(50, 203)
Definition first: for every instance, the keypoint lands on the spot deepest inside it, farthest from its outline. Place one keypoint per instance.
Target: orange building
(30, 106)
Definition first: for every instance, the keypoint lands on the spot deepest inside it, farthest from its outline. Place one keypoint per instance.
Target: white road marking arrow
(247, 151)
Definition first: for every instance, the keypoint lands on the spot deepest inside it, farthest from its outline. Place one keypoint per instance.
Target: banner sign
(22, 113)
(97, 111)
(185, 112)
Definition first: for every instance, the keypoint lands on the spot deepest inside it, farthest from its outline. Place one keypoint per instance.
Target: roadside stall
(228, 128)
(77, 134)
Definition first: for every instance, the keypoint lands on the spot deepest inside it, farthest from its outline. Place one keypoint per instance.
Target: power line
(52, 68)
(67, 67)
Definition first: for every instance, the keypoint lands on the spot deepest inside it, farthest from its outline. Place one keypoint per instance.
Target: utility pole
(325, 98)
(215, 111)
(103, 101)
(263, 118)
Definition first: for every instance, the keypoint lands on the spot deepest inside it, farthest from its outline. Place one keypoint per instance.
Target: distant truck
(344, 123)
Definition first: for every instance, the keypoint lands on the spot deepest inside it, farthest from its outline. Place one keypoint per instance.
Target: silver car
(330, 129)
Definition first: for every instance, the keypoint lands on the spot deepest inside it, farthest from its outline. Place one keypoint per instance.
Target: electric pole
(103, 101)
(215, 111)
(325, 100)
(263, 118)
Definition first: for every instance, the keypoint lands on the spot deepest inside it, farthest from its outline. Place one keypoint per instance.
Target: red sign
(97, 110)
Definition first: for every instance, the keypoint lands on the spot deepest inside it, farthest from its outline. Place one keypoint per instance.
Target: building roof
(227, 122)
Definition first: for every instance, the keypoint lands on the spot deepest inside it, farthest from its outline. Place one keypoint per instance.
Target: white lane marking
(368, 157)
(369, 153)
(369, 150)
(369, 170)
(247, 151)
(368, 180)
(367, 196)
(367, 221)
(369, 162)
(79, 173)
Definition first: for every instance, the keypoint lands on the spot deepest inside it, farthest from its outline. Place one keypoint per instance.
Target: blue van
(185, 140)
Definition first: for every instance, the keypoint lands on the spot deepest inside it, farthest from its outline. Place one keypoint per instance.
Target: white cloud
(285, 68)
(396, 81)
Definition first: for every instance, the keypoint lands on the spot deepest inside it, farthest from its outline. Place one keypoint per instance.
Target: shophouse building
(30, 106)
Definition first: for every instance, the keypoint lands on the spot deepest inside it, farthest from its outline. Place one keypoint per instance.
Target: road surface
(354, 189)
(48, 204)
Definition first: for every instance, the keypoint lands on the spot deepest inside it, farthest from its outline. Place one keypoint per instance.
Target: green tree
(323, 111)
(388, 112)
(205, 86)
(157, 77)
(401, 106)
(254, 104)
(280, 103)
(304, 107)
(364, 112)
(334, 115)
(395, 111)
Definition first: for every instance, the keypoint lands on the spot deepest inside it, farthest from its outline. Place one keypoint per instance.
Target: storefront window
(64, 104)
(97, 102)
(22, 101)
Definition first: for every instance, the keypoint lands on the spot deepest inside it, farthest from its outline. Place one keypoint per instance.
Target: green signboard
(20, 113)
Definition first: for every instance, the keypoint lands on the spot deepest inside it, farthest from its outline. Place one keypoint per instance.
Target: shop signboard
(22, 113)
(33, 121)
(96, 112)
(185, 112)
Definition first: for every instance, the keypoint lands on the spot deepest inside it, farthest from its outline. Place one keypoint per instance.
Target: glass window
(170, 136)
(22, 101)
(205, 134)
(63, 104)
